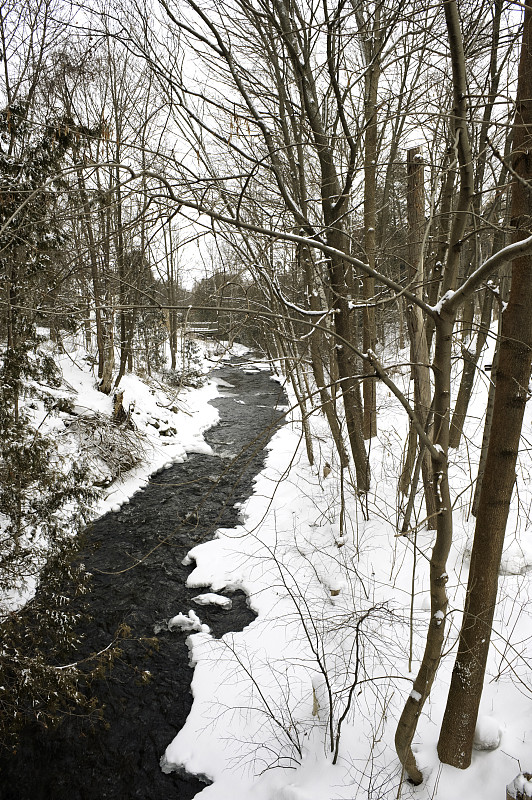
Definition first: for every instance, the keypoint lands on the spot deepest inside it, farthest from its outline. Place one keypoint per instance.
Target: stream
(146, 696)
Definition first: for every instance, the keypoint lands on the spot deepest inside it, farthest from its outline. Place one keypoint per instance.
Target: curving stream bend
(147, 697)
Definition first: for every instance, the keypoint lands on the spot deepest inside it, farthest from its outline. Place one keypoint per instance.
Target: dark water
(146, 697)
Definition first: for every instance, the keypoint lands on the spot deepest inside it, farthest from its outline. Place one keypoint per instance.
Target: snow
(488, 733)
(169, 424)
(258, 728)
(521, 787)
(188, 413)
(210, 598)
(439, 305)
(187, 622)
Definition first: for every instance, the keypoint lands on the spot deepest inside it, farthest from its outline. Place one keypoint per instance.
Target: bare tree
(275, 159)
(511, 394)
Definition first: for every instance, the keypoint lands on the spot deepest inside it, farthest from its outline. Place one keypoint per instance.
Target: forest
(346, 188)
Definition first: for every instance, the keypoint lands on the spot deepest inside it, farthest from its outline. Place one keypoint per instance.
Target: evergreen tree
(42, 504)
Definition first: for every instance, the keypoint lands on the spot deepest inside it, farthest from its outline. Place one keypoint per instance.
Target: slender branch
(512, 251)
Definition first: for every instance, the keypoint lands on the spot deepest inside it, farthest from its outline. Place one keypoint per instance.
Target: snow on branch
(452, 300)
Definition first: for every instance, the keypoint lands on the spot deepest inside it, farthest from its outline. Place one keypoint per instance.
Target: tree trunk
(499, 241)
(315, 346)
(419, 355)
(444, 326)
(370, 223)
(487, 423)
(118, 236)
(294, 374)
(95, 271)
(511, 392)
(346, 371)
(406, 727)
(106, 381)
(442, 246)
(471, 360)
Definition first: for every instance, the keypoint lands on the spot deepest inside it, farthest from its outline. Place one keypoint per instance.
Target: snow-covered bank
(323, 672)
(303, 703)
(137, 586)
(166, 423)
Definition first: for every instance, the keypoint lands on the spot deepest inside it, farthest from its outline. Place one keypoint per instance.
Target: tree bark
(471, 360)
(419, 355)
(95, 270)
(487, 423)
(444, 326)
(443, 242)
(438, 564)
(315, 347)
(511, 392)
(369, 333)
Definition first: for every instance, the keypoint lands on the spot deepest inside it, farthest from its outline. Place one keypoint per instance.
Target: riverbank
(134, 555)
